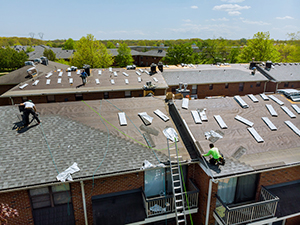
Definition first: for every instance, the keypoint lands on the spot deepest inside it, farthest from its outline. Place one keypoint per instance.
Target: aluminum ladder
(179, 201)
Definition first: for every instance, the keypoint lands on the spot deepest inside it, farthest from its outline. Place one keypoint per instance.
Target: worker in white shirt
(29, 108)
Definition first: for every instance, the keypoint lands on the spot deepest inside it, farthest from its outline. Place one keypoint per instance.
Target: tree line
(196, 51)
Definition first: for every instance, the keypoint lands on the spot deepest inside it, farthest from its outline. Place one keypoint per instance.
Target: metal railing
(165, 204)
(265, 207)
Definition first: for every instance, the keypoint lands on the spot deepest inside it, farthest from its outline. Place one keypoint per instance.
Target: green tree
(11, 59)
(110, 45)
(29, 49)
(69, 44)
(92, 52)
(261, 48)
(124, 56)
(62, 61)
(49, 54)
(180, 53)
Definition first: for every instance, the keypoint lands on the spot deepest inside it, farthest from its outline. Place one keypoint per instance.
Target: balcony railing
(265, 207)
(165, 204)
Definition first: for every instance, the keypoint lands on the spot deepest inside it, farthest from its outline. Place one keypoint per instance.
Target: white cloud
(232, 9)
(220, 19)
(255, 22)
(194, 7)
(232, 1)
(234, 13)
(284, 18)
(187, 20)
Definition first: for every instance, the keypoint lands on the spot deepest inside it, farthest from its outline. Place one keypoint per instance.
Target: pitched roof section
(280, 147)
(75, 133)
(20, 75)
(286, 72)
(65, 87)
(212, 74)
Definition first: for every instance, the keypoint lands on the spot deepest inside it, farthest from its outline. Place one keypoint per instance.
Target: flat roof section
(279, 147)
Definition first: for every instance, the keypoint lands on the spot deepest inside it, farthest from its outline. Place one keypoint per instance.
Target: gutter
(84, 203)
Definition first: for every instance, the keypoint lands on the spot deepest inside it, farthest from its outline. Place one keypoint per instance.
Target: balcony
(264, 208)
(165, 205)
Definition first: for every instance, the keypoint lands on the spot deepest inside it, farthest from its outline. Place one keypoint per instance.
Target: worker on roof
(217, 158)
(29, 108)
(83, 77)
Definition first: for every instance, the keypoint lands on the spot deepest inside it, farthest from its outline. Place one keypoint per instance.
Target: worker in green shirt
(216, 156)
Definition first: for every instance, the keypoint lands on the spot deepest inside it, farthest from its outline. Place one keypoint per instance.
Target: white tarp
(171, 134)
(147, 165)
(66, 175)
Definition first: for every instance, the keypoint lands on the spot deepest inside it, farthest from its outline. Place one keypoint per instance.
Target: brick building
(260, 178)
(59, 86)
(215, 80)
(18, 76)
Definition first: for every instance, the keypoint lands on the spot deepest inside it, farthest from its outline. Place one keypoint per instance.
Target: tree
(110, 45)
(6, 212)
(49, 54)
(69, 44)
(124, 56)
(92, 52)
(62, 61)
(29, 49)
(11, 59)
(181, 53)
(261, 48)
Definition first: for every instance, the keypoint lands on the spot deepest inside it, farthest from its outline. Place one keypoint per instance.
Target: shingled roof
(74, 132)
(279, 148)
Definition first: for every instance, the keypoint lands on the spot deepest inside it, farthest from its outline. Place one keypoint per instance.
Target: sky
(152, 20)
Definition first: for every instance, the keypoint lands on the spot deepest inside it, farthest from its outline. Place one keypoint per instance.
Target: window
(258, 84)
(106, 95)
(241, 86)
(226, 85)
(158, 181)
(50, 98)
(211, 86)
(127, 93)
(194, 89)
(50, 196)
(238, 189)
(286, 84)
(78, 97)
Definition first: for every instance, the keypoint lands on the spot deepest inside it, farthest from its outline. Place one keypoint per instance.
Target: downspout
(208, 201)
(265, 87)
(12, 101)
(84, 203)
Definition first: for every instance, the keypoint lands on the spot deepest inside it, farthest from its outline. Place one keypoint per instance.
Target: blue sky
(155, 19)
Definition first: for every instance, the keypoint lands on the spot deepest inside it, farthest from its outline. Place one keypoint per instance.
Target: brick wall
(293, 221)
(102, 186)
(220, 90)
(201, 180)
(279, 176)
(20, 201)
